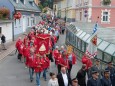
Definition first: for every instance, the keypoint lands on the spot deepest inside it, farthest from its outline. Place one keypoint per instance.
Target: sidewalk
(10, 46)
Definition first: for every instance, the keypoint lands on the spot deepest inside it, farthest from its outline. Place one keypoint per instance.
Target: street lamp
(65, 15)
(55, 11)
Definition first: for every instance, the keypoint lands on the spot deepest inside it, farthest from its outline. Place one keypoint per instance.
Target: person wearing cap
(94, 80)
(112, 72)
(74, 82)
(97, 67)
(81, 76)
(106, 81)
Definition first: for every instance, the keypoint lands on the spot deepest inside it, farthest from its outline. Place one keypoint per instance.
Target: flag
(92, 47)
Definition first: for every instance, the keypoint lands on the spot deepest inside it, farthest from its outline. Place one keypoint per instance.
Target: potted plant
(106, 2)
(4, 13)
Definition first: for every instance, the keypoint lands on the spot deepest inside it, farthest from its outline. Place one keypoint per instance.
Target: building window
(31, 3)
(16, 1)
(23, 1)
(28, 22)
(105, 16)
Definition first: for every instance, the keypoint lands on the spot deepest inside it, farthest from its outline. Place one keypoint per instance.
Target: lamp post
(55, 11)
(65, 15)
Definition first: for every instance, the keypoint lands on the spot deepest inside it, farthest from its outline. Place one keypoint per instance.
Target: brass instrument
(69, 49)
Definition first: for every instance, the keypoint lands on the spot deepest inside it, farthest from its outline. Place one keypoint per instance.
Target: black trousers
(70, 67)
(63, 31)
(59, 68)
(57, 38)
(19, 56)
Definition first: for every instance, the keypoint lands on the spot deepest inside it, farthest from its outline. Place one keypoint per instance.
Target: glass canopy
(103, 45)
(110, 49)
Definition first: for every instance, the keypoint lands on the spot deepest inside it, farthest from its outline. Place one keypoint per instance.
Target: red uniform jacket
(25, 40)
(73, 58)
(38, 65)
(55, 39)
(31, 35)
(18, 43)
(87, 61)
(21, 48)
(31, 60)
(63, 62)
(55, 54)
(46, 63)
(59, 56)
(26, 51)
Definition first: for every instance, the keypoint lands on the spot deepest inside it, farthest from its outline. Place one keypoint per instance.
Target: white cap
(62, 46)
(57, 47)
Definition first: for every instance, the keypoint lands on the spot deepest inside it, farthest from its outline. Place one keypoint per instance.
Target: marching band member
(25, 39)
(31, 63)
(58, 62)
(87, 61)
(55, 53)
(46, 65)
(63, 61)
(38, 67)
(18, 43)
(26, 53)
(72, 60)
(62, 49)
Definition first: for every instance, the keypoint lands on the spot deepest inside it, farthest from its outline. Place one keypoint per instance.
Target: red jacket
(55, 39)
(63, 62)
(38, 65)
(20, 48)
(25, 40)
(73, 58)
(46, 63)
(18, 43)
(55, 54)
(59, 56)
(87, 61)
(31, 60)
(26, 51)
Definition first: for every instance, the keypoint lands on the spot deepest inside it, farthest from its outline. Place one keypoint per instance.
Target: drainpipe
(13, 39)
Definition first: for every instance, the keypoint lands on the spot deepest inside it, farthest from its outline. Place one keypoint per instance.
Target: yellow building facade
(66, 8)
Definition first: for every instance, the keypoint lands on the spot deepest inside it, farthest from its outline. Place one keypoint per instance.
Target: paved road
(14, 73)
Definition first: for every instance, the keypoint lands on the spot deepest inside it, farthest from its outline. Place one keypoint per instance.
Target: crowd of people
(64, 59)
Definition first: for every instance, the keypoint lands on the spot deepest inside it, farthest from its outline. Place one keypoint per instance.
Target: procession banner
(43, 43)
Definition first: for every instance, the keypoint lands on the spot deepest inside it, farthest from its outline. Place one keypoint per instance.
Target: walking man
(81, 76)
(106, 81)
(3, 40)
(94, 80)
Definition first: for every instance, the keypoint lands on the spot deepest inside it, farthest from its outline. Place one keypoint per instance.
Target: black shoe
(4, 49)
(31, 80)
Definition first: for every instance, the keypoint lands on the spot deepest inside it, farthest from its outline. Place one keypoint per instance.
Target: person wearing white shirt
(53, 81)
(64, 78)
